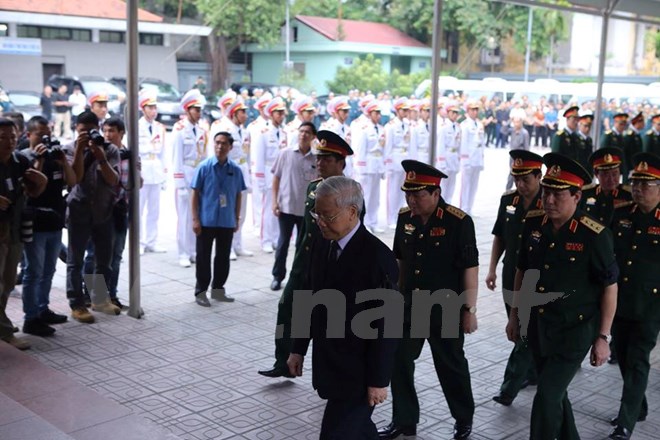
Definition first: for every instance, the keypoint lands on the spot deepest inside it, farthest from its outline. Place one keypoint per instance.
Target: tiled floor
(192, 370)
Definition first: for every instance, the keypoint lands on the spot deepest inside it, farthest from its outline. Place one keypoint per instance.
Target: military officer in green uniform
(652, 137)
(636, 228)
(331, 152)
(436, 249)
(514, 206)
(568, 254)
(614, 137)
(583, 134)
(600, 199)
(632, 144)
(566, 141)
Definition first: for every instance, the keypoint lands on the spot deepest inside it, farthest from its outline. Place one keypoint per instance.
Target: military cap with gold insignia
(401, 104)
(620, 116)
(524, 162)
(587, 116)
(331, 143)
(275, 105)
(606, 158)
(237, 105)
(646, 167)
(639, 117)
(420, 176)
(193, 98)
(654, 117)
(563, 172)
(571, 111)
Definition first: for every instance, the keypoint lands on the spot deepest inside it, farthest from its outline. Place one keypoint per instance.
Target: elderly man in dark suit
(352, 372)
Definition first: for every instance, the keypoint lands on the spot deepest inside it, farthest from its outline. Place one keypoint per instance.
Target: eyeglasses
(324, 219)
(643, 184)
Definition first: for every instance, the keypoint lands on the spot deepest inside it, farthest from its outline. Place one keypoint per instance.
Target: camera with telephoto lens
(53, 146)
(97, 139)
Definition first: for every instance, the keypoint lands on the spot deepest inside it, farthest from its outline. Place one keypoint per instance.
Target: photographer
(89, 215)
(48, 220)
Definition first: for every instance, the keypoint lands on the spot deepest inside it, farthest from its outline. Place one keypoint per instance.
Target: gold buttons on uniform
(619, 234)
(530, 248)
(416, 271)
(309, 234)
(552, 245)
(655, 290)
(629, 263)
(306, 248)
(419, 254)
(523, 220)
(625, 279)
(541, 311)
(580, 317)
(519, 235)
(421, 235)
(541, 289)
(547, 266)
(639, 231)
(572, 259)
(437, 243)
(634, 246)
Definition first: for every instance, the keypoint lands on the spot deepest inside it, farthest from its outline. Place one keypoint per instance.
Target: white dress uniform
(189, 148)
(291, 130)
(240, 153)
(472, 160)
(419, 141)
(397, 149)
(344, 131)
(151, 138)
(447, 157)
(368, 147)
(254, 129)
(267, 144)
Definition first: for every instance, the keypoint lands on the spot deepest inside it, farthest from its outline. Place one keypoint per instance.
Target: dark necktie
(334, 252)
(342, 129)
(277, 133)
(194, 132)
(240, 135)
(150, 130)
(427, 126)
(376, 127)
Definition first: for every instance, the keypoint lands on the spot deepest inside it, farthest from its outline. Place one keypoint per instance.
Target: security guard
(397, 149)
(514, 206)
(303, 108)
(472, 143)
(584, 141)
(565, 141)
(254, 128)
(600, 199)
(636, 229)
(420, 134)
(338, 109)
(571, 255)
(614, 137)
(652, 136)
(331, 153)
(436, 248)
(447, 155)
(632, 144)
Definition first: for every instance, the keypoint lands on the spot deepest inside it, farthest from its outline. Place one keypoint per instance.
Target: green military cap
(620, 116)
(606, 158)
(420, 176)
(571, 111)
(331, 143)
(563, 172)
(524, 162)
(646, 167)
(639, 117)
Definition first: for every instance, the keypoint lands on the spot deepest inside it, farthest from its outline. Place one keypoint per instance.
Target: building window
(111, 37)
(4, 30)
(299, 68)
(54, 33)
(151, 39)
(295, 34)
(423, 64)
(348, 61)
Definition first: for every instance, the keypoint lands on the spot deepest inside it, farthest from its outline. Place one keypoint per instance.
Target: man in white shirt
(78, 101)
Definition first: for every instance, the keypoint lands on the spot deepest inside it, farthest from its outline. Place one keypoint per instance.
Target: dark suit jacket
(343, 368)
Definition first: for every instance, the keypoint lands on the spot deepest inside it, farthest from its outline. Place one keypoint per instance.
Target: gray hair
(347, 192)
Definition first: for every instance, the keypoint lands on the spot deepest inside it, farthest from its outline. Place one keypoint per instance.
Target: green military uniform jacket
(652, 142)
(637, 247)
(601, 206)
(571, 145)
(632, 144)
(612, 139)
(433, 256)
(508, 227)
(308, 233)
(578, 260)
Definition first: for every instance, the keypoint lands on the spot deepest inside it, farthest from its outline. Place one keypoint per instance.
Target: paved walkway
(193, 371)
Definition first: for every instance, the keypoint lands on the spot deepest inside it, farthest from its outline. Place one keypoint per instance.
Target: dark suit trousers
(286, 222)
(204, 245)
(348, 420)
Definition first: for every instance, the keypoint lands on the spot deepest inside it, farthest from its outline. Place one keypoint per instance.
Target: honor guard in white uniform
(266, 145)
(369, 146)
(240, 153)
(98, 104)
(223, 104)
(361, 121)
(189, 148)
(151, 138)
(420, 134)
(303, 107)
(339, 109)
(447, 153)
(397, 149)
(472, 155)
(254, 128)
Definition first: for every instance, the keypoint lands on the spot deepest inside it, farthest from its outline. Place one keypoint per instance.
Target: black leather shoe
(38, 328)
(50, 317)
(276, 372)
(202, 300)
(614, 421)
(276, 285)
(503, 399)
(462, 432)
(391, 431)
(620, 433)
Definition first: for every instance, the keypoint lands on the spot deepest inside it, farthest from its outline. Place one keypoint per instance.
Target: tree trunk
(219, 62)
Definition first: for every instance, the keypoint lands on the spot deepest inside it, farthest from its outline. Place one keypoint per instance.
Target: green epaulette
(561, 132)
(608, 132)
(455, 211)
(316, 180)
(650, 132)
(535, 213)
(620, 205)
(630, 132)
(509, 192)
(627, 188)
(404, 210)
(589, 186)
(592, 224)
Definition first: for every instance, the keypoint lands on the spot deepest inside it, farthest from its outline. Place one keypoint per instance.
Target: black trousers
(203, 246)
(286, 222)
(348, 420)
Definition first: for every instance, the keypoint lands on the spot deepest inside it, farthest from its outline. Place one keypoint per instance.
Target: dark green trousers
(519, 367)
(634, 342)
(451, 366)
(284, 316)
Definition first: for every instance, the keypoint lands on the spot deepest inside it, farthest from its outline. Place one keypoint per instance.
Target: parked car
(169, 98)
(91, 84)
(25, 102)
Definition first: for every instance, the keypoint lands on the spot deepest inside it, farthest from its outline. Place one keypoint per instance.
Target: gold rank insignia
(510, 209)
(411, 175)
(592, 224)
(409, 228)
(591, 201)
(642, 166)
(608, 158)
(536, 235)
(555, 171)
(312, 195)
(518, 162)
(625, 223)
(455, 211)
(437, 232)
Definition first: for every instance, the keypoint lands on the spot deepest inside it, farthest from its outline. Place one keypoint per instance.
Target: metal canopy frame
(639, 11)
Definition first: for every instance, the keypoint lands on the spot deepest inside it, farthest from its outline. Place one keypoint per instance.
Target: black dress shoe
(503, 399)
(50, 317)
(620, 433)
(614, 421)
(38, 328)
(276, 285)
(276, 372)
(202, 300)
(391, 431)
(462, 432)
